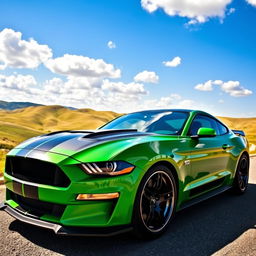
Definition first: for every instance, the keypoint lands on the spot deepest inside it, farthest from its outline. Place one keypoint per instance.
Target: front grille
(37, 171)
(36, 207)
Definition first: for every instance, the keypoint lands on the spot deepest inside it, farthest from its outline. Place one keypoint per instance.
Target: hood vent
(69, 131)
(102, 133)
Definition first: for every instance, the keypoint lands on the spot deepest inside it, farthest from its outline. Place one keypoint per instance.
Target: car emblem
(187, 162)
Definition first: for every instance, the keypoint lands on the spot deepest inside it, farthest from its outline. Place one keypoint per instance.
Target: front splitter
(66, 230)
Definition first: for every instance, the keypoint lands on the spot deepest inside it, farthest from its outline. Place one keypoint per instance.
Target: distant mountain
(15, 105)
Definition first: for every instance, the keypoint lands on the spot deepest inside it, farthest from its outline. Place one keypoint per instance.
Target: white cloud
(176, 61)
(207, 86)
(147, 77)
(89, 93)
(78, 89)
(198, 11)
(54, 85)
(163, 102)
(17, 82)
(83, 82)
(233, 88)
(18, 53)
(252, 2)
(81, 66)
(230, 11)
(170, 101)
(126, 89)
(73, 91)
(111, 45)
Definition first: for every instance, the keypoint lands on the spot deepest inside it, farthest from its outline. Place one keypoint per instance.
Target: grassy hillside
(21, 124)
(50, 118)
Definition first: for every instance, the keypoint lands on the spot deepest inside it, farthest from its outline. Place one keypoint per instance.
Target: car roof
(175, 110)
(167, 110)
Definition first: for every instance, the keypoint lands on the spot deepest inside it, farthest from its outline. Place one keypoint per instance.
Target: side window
(203, 121)
(222, 129)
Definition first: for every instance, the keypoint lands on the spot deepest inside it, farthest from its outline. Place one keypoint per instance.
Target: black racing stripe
(36, 143)
(84, 143)
(17, 187)
(76, 144)
(100, 133)
(53, 143)
(31, 191)
(39, 141)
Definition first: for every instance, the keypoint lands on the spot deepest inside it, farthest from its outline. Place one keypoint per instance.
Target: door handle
(225, 146)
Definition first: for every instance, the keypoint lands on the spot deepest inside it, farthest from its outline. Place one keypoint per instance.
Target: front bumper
(59, 204)
(64, 230)
(73, 212)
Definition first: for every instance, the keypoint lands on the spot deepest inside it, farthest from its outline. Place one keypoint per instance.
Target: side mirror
(205, 132)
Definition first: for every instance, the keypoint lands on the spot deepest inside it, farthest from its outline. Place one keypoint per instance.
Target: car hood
(72, 143)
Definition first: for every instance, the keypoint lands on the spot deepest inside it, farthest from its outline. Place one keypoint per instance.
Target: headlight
(111, 168)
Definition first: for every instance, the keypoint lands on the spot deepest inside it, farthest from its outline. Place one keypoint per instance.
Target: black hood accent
(99, 137)
(101, 133)
(69, 131)
(75, 140)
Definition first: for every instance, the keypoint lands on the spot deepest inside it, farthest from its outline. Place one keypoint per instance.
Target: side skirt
(203, 197)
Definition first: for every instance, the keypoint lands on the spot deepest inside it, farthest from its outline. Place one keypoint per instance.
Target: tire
(155, 203)
(240, 183)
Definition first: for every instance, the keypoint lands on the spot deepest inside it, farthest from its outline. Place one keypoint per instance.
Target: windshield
(168, 122)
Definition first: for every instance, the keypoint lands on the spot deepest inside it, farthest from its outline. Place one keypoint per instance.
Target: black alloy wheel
(242, 175)
(155, 203)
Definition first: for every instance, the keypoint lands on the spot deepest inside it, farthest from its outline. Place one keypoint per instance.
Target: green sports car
(132, 174)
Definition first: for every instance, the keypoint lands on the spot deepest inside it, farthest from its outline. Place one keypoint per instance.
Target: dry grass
(3, 153)
(21, 124)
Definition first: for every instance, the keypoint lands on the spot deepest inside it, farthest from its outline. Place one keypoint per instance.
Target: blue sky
(216, 45)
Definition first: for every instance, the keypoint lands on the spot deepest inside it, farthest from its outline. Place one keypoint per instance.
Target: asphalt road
(224, 225)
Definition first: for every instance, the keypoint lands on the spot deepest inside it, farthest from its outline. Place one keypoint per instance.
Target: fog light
(97, 196)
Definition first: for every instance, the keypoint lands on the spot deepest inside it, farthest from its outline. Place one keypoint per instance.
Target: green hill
(20, 124)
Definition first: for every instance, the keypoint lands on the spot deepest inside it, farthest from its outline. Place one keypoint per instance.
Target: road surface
(224, 225)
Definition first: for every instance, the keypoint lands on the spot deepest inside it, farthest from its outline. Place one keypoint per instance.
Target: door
(209, 156)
